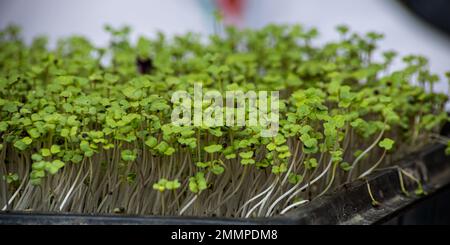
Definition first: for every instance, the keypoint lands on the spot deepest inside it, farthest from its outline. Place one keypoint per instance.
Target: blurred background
(410, 26)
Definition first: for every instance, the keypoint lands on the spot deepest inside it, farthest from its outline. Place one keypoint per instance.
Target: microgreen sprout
(79, 135)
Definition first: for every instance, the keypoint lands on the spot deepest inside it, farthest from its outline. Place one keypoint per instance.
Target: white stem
(71, 189)
(293, 206)
(256, 197)
(333, 174)
(292, 164)
(281, 198)
(314, 180)
(363, 154)
(15, 194)
(260, 202)
(373, 167)
(188, 204)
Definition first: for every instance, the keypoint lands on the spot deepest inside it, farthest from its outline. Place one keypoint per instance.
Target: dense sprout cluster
(88, 129)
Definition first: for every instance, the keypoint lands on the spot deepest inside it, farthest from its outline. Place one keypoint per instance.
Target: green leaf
(247, 162)
(217, 169)
(3, 126)
(336, 156)
(23, 143)
(295, 178)
(191, 142)
(279, 169)
(342, 29)
(39, 165)
(20, 145)
(84, 146)
(131, 177)
(172, 185)
(162, 147)
(284, 155)
(27, 140)
(10, 107)
(280, 139)
(213, 148)
(89, 153)
(65, 132)
(128, 155)
(202, 184)
(271, 146)
(110, 78)
(55, 149)
(203, 164)
(66, 94)
(197, 183)
(311, 163)
(10, 178)
(35, 174)
(151, 142)
(193, 187)
(36, 157)
(34, 133)
(77, 158)
(345, 166)
(54, 166)
(132, 93)
(230, 156)
(420, 191)
(283, 148)
(386, 144)
(308, 141)
(246, 155)
(159, 187)
(169, 151)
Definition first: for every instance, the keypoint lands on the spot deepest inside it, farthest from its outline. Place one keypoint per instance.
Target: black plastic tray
(348, 204)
